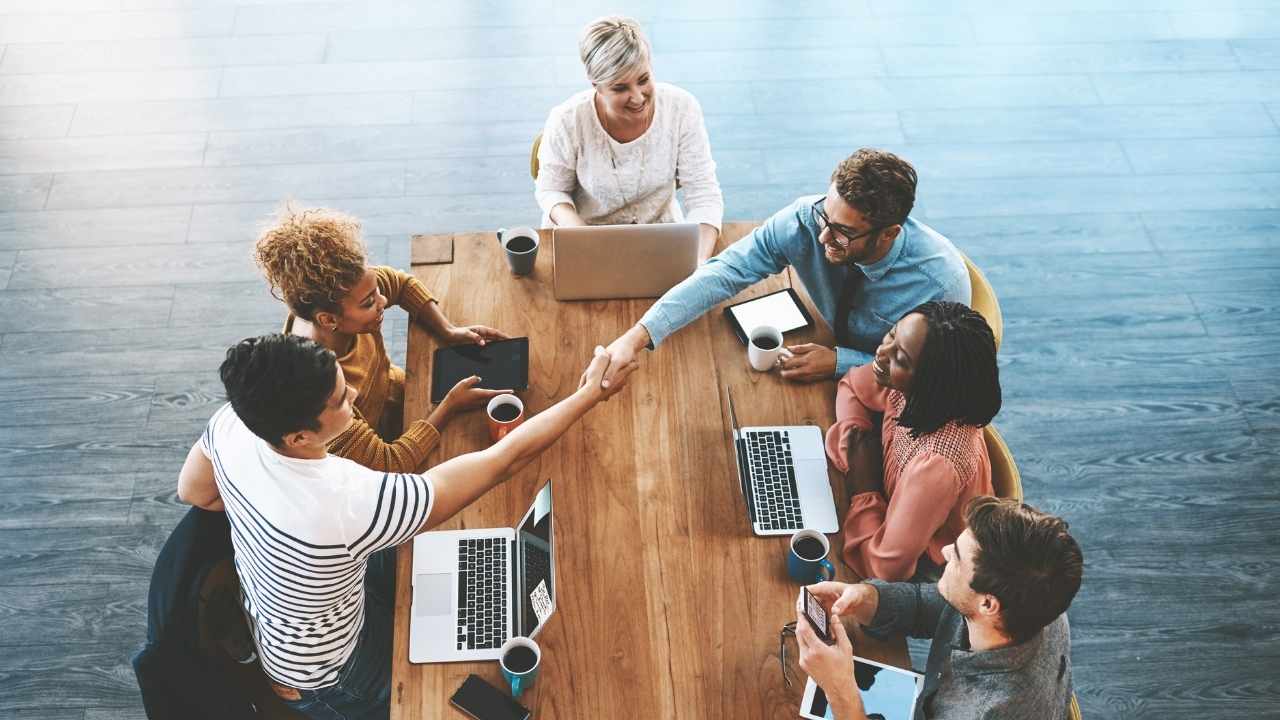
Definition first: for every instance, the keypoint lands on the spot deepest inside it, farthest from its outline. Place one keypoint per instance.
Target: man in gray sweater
(1001, 645)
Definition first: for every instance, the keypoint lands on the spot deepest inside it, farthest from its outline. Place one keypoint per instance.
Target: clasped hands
(807, 362)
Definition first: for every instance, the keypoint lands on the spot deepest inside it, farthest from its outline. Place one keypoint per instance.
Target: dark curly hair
(278, 384)
(1027, 559)
(311, 258)
(956, 375)
(878, 184)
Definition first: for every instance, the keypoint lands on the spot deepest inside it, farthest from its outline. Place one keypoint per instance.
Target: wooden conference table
(667, 605)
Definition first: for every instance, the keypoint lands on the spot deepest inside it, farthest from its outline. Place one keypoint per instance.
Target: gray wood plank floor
(1115, 169)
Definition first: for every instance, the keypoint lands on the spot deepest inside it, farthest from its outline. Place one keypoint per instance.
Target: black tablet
(501, 365)
(781, 309)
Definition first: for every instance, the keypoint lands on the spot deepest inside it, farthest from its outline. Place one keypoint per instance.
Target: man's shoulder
(933, 254)
(928, 240)
(797, 213)
(226, 428)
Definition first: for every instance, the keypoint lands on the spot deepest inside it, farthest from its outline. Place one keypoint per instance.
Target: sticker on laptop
(541, 601)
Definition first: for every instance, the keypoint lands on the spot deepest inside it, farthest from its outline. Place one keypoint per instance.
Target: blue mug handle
(517, 685)
(825, 567)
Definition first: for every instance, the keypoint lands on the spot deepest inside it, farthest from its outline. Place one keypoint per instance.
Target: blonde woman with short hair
(614, 153)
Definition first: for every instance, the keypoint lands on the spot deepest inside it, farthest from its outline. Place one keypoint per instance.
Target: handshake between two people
(808, 362)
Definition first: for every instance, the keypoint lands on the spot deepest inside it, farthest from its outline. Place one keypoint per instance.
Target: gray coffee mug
(520, 259)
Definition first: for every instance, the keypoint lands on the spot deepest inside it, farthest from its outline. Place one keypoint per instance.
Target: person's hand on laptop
(808, 363)
(592, 378)
(470, 335)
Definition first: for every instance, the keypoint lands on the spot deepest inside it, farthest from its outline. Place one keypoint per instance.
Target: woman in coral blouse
(908, 436)
(315, 262)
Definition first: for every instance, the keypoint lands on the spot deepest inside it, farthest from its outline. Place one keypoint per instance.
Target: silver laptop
(475, 589)
(604, 262)
(783, 474)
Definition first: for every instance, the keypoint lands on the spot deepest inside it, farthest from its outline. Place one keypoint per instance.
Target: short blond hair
(312, 258)
(612, 46)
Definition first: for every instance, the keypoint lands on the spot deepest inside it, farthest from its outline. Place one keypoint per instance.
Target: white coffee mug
(763, 359)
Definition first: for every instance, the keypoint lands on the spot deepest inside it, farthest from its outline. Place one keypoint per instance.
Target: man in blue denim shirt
(864, 261)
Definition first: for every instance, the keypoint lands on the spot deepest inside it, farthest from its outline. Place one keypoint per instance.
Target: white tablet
(781, 309)
(888, 692)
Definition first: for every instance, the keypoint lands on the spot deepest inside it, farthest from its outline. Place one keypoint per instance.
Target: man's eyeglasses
(843, 235)
(787, 630)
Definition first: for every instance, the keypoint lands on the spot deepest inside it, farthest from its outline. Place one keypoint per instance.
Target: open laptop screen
(537, 589)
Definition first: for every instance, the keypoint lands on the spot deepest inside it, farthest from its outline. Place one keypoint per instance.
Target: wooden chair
(533, 159)
(1005, 478)
(984, 296)
(1073, 709)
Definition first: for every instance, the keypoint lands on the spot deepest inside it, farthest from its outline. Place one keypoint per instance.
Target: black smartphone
(483, 701)
(817, 617)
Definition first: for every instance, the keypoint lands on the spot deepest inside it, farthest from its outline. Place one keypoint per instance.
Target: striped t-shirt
(303, 531)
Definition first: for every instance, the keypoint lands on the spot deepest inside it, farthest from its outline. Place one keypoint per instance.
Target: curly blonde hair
(311, 258)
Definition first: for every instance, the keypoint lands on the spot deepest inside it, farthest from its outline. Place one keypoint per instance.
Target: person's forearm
(205, 501)
(538, 432)
(434, 319)
(566, 215)
(866, 467)
(864, 611)
(637, 338)
(707, 237)
(440, 415)
(846, 703)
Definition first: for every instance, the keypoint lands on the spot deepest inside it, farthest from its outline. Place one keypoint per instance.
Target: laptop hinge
(516, 594)
(744, 477)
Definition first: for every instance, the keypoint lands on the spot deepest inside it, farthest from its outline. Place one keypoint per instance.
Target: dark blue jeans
(363, 691)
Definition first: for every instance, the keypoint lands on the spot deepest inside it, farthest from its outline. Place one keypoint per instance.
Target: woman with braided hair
(315, 262)
(909, 473)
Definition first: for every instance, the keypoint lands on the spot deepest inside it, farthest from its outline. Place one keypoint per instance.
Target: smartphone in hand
(818, 618)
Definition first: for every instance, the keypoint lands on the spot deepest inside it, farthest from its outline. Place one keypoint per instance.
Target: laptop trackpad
(433, 594)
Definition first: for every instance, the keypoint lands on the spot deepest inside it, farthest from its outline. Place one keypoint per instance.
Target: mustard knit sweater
(369, 370)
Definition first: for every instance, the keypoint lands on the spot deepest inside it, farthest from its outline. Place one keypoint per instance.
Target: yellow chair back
(1006, 481)
(533, 155)
(1073, 709)
(984, 299)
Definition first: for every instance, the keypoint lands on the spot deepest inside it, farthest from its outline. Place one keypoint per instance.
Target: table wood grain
(667, 606)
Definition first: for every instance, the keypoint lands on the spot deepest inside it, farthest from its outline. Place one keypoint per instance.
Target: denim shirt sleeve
(742, 264)
(848, 359)
(906, 609)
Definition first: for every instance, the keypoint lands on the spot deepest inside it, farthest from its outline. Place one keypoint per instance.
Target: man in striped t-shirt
(313, 532)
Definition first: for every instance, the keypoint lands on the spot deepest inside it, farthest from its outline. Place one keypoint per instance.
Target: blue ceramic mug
(517, 667)
(807, 561)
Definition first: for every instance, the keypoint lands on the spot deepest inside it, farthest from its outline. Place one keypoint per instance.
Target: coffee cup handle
(500, 233)
(517, 685)
(826, 568)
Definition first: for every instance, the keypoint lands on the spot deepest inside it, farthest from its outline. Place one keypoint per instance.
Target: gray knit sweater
(1028, 681)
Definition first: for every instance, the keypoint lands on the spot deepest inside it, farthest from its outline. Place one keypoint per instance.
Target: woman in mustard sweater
(315, 262)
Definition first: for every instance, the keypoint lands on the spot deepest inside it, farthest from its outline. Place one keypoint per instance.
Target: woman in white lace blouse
(614, 154)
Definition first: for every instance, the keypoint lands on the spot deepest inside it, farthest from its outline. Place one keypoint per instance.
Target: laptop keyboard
(482, 593)
(773, 480)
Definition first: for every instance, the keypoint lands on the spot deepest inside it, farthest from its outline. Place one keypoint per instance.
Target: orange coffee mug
(505, 413)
